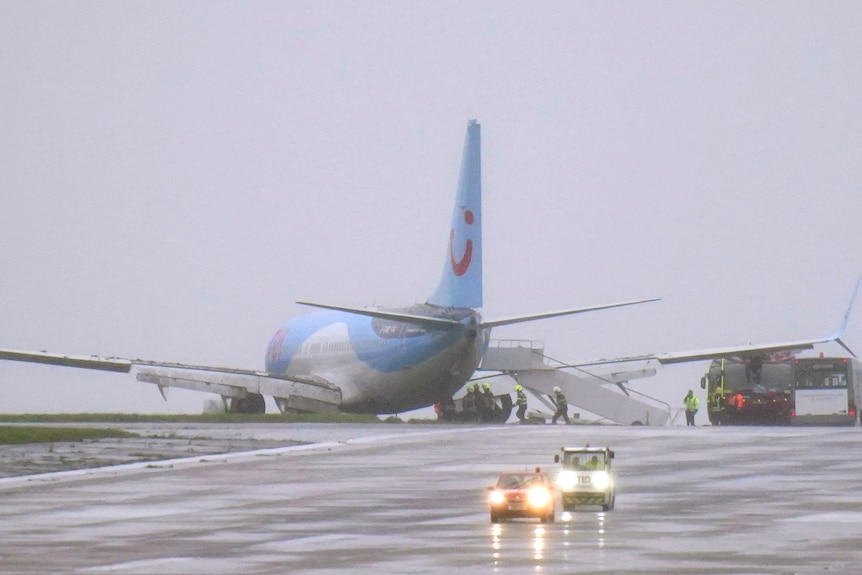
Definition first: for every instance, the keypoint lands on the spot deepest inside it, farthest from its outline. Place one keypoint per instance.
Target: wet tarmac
(153, 443)
(412, 499)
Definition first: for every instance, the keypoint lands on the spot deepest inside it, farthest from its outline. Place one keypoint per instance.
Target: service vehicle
(753, 390)
(523, 494)
(586, 477)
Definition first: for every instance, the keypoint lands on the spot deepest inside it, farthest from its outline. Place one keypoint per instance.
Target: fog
(175, 176)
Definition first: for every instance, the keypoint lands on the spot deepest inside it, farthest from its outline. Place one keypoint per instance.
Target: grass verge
(18, 434)
(180, 418)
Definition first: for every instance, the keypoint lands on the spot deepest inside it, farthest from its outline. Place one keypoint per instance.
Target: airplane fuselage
(381, 365)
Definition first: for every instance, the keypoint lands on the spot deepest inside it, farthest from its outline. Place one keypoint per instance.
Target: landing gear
(253, 403)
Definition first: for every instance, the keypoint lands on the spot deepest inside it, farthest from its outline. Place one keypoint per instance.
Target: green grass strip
(179, 418)
(18, 434)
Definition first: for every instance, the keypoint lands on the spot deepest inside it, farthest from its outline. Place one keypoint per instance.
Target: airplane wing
(742, 350)
(748, 350)
(310, 393)
(82, 361)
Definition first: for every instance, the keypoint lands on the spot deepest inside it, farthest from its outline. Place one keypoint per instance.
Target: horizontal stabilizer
(423, 320)
(523, 318)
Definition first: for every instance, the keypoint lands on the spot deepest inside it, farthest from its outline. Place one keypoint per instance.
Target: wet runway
(411, 499)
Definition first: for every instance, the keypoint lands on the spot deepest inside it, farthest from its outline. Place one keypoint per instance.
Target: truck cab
(586, 477)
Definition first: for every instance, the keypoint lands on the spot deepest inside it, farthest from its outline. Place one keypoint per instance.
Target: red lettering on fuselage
(274, 351)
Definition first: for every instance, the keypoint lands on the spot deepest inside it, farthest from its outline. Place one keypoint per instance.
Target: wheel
(253, 403)
(494, 519)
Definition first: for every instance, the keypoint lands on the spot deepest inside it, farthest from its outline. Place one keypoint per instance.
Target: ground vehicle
(755, 390)
(523, 494)
(823, 390)
(585, 477)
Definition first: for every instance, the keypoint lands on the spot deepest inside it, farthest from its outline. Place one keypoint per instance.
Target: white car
(585, 477)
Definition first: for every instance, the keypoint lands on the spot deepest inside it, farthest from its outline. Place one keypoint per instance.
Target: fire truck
(752, 390)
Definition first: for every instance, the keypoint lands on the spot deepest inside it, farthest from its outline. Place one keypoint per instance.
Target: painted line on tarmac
(214, 459)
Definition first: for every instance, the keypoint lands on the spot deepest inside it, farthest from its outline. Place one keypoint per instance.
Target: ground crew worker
(521, 402)
(486, 403)
(737, 402)
(691, 405)
(562, 406)
(468, 404)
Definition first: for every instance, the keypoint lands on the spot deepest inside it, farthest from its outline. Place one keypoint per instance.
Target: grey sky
(175, 175)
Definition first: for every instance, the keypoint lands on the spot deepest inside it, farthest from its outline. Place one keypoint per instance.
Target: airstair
(595, 387)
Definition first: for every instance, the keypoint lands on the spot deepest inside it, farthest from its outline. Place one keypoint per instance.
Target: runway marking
(215, 459)
(134, 564)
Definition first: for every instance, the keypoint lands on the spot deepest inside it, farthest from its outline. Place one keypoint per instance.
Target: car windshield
(519, 481)
(575, 460)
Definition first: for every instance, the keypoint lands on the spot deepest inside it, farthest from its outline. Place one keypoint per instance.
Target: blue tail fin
(461, 281)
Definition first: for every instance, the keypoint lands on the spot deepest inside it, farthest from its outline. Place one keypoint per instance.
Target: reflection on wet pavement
(413, 499)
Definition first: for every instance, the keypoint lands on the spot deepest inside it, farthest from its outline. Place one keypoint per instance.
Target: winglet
(840, 332)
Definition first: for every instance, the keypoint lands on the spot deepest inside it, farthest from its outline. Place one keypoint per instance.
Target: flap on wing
(239, 383)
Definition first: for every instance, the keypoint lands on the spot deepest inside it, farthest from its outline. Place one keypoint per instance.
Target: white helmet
(557, 388)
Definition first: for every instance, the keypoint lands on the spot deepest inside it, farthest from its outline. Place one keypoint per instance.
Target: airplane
(377, 361)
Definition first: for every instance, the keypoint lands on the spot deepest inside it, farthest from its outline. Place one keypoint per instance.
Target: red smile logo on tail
(461, 266)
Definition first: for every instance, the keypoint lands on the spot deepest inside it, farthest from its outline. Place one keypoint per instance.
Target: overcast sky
(175, 175)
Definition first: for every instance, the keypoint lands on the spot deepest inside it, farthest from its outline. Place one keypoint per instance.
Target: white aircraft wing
(310, 393)
(743, 350)
(82, 361)
(748, 350)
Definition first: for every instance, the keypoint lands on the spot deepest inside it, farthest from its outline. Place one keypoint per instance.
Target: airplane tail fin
(461, 281)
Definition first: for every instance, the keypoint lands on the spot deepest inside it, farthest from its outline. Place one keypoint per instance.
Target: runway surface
(394, 498)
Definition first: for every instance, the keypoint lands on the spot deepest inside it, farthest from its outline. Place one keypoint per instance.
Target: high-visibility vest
(691, 403)
(522, 398)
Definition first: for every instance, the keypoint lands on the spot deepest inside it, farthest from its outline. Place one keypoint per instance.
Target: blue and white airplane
(387, 360)
(361, 360)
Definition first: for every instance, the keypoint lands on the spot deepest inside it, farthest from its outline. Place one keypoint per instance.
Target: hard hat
(486, 385)
(557, 388)
(518, 387)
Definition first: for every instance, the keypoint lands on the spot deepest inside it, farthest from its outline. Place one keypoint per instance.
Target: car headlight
(567, 479)
(538, 497)
(601, 480)
(497, 497)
